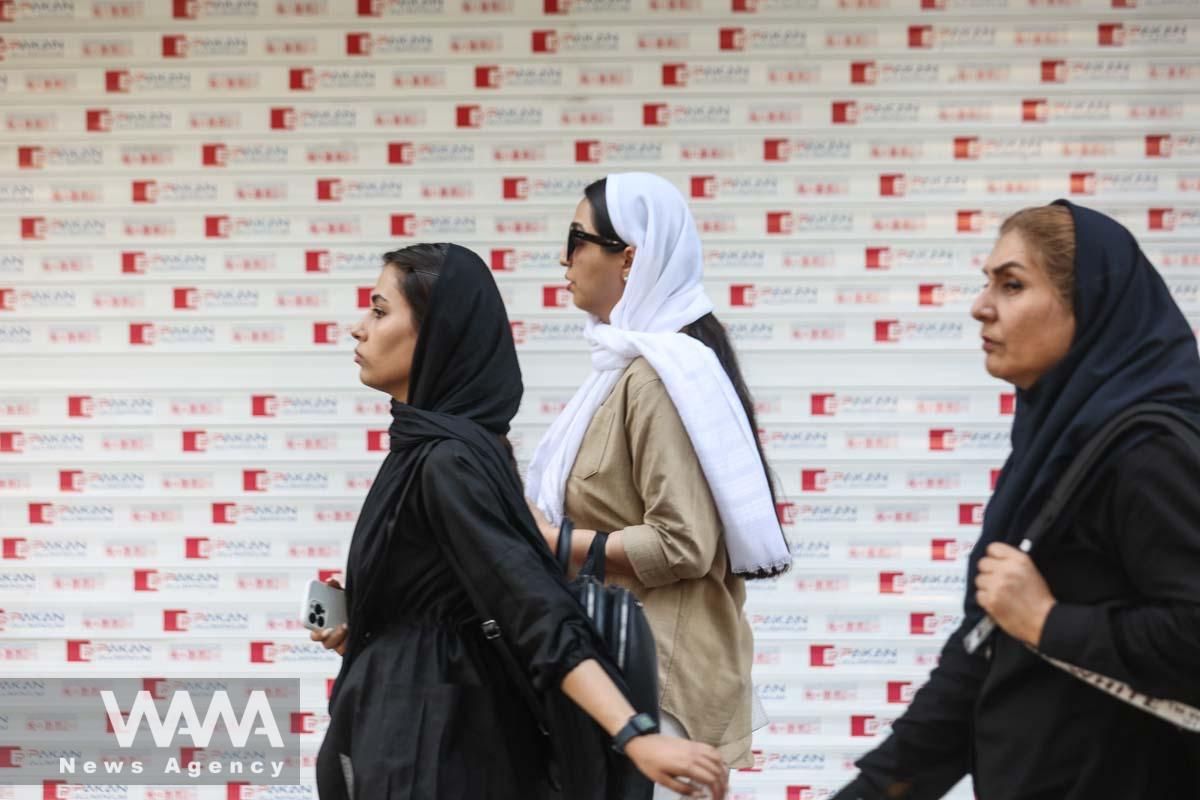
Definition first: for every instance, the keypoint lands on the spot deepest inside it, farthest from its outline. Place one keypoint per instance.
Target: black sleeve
(541, 621)
(1152, 523)
(928, 751)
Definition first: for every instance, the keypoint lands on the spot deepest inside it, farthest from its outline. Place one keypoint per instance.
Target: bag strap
(593, 565)
(1180, 425)
(562, 550)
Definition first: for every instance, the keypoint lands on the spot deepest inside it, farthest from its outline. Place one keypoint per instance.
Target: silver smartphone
(324, 606)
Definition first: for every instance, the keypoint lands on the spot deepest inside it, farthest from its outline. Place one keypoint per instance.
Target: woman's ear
(629, 253)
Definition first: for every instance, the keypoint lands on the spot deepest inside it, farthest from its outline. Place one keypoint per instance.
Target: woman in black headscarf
(424, 707)
(1079, 321)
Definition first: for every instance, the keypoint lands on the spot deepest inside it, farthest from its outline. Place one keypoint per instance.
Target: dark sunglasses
(575, 235)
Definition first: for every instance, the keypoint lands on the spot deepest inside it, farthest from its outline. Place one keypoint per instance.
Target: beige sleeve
(681, 530)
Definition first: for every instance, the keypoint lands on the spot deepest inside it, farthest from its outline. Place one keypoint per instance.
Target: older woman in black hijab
(424, 708)
(1079, 321)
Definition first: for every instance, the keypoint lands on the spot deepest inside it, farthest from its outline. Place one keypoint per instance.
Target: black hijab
(1132, 345)
(465, 384)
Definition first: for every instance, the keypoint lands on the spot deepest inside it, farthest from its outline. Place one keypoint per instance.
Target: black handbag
(619, 617)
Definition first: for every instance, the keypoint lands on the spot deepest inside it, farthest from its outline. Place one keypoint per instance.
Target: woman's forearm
(589, 686)
(616, 560)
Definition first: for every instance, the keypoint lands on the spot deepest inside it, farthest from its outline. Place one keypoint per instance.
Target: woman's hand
(332, 638)
(1013, 592)
(680, 765)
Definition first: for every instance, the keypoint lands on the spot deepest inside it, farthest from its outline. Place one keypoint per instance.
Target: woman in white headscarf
(659, 447)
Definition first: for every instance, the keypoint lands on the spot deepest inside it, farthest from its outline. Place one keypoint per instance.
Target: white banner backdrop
(195, 194)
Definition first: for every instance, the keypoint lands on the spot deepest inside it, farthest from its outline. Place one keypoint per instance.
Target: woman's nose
(981, 309)
(357, 331)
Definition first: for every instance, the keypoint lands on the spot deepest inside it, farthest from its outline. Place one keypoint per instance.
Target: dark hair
(419, 266)
(1049, 231)
(709, 330)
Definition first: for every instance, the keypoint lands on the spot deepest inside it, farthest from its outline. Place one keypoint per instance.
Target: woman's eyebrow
(378, 298)
(1007, 265)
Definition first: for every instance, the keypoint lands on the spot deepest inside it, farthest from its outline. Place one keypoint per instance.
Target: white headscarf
(664, 293)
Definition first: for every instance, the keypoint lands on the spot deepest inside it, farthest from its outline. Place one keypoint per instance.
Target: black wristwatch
(638, 725)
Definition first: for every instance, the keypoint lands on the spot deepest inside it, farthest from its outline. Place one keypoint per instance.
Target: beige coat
(637, 475)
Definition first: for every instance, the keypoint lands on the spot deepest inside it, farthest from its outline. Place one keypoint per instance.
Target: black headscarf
(1132, 344)
(465, 384)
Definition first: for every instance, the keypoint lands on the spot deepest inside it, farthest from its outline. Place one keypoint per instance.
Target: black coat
(1125, 571)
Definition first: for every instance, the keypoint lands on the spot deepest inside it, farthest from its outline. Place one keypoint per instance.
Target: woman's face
(386, 338)
(1026, 326)
(596, 277)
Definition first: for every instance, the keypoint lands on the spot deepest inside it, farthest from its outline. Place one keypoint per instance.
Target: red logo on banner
(891, 583)
(133, 263)
(324, 575)
(41, 513)
(863, 72)
(370, 8)
(1083, 183)
(283, 119)
(995, 478)
(145, 580)
(378, 441)
(1035, 110)
(655, 115)
(487, 77)
(31, 157)
(556, 6)
(195, 441)
(1161, 219)
(8, 299)
(1054, 71)
(1158, 145)
(944, 549)
(263, 405)
(197, 547)
(217, 227)
(933, 5)
(70, 480)
(732, 38)
(99, 120)
(863, 725)
(931, 294)
(1008, 404)
(12, 442)
(33, 227)
(401, 153)
(878, 258)
(544, 42)
(942, 439)
(145, 191)
(116, 81)
(515, 189)
(364, 296)
(255, 480)
(920, 36)
(899, 691)
(1110, 34)
(224, 514)
(358, 44)
(7, 11)
(555, 297)
(174, 46)
(970, 513)
(78, 650)
(587, 151)
(214, 155)
(674, 75)
(887, 330)
(741, 294)
(302, 79)
(786, 512)
(303, 722)
(326, 333)
(823, 405)
(892, 185)
(969, 221)
(14, 548)
(141, 333)
(845, 112)
(404, 224)
(175, 620)
(966, 147)
(468, 116)
(780, 222)
(704, 187)
(329, 189)
(262, 652)
(80, 406)
(922, 623)
(822, 655)
(187, 9)
(814, 480)
(503, 260)
(316, 261)
(777, 150)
